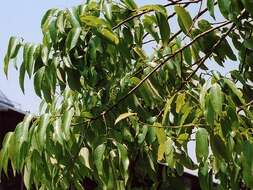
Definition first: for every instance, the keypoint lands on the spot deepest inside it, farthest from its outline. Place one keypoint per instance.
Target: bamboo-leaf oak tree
(124, 90)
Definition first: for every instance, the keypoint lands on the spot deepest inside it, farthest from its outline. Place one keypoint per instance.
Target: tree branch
(158, 66)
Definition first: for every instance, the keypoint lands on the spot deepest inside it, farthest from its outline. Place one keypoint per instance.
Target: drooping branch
(159, 66)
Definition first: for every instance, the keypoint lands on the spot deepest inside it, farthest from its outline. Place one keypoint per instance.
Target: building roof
(6, 104)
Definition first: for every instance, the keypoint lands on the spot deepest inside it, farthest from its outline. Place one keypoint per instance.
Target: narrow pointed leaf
(66, 121)
(202, 144)
(38, 80)
(98, 157)
(44, 121)
(109, 36)
(12, 51)
(184, 17)
(22, 77)
(216, 97)
(123, 116)
(72, 38)
(164, 27)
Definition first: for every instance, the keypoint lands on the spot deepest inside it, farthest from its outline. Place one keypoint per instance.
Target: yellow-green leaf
(109, 36)
(124, 116)
(180, 102)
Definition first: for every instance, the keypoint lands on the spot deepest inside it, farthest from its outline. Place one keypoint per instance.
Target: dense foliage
(124, 90)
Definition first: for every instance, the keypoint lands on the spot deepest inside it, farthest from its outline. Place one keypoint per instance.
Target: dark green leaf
(210, 6)
(248, 6)
(248, 43)
(22, 77)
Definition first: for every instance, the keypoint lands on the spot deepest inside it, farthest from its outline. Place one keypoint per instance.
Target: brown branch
(159, 66)
(151, 10)
(242, 107)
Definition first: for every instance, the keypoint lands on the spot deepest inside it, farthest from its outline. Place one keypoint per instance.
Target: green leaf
(216, 98)
(98, 156)
(72, 38)
(130, 4)
(182, 138)
(202, 145)
(248, 43)
(109, 36)
(123, 157)
(108, 10)
(219, 148)
(184, 17)
(248, 6)
(180, 102)
(30, 60)
(43, 126)
(12, 51)
(22, 77)
(142, 135)
(44, 54)
(38, 77)
(149, 24)
(210, 7)
(247, 163)
(156, 8)
(73, 79)
(205, 180)
(140, 52)
(73, 17)
(47, 16)
(66, 122)
(208, 111)
(166, 112)
(234, 89)
(164, 27)
(169, 152)
(160, 133)
(202, 95)
(93, 21)
(84, 153)
(224, 7)
(124, 116)
(60, 22)
(27, 176)
(160, 152)
(188, 55)
(58, 131)
(20, 140)
(5, 152)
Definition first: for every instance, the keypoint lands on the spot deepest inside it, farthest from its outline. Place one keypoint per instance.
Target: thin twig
(158, 66)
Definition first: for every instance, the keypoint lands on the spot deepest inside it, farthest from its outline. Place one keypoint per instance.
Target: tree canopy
(126, 88)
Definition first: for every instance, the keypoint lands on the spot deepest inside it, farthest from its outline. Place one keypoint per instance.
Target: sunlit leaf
(123, 116)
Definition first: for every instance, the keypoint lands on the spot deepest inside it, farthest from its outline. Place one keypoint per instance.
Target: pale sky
(22, 18)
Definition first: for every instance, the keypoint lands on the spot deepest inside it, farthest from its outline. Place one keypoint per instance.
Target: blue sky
(22, 19)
